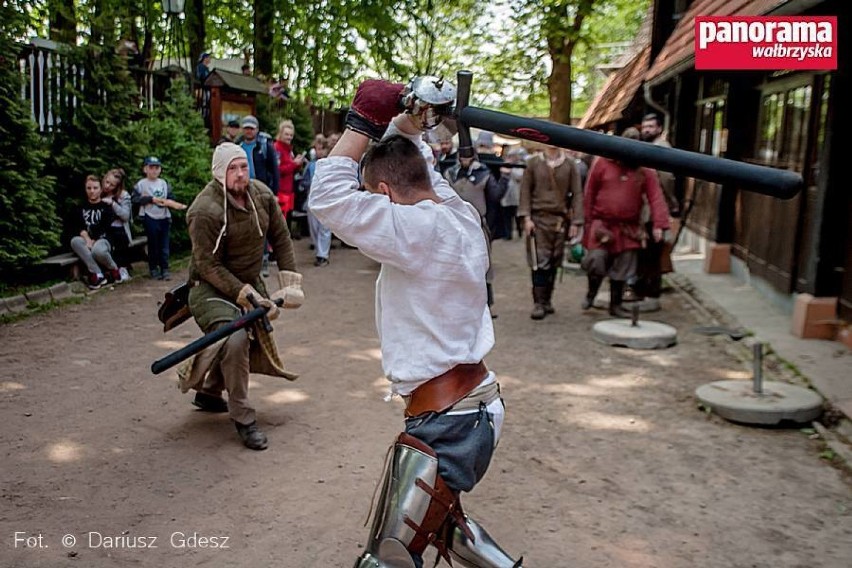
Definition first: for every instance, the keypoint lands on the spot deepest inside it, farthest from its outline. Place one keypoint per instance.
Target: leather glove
(375, 104)
(243, 301)
(290, 289)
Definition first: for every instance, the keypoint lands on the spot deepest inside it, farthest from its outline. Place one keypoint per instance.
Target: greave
(481, 552)
(413, 504)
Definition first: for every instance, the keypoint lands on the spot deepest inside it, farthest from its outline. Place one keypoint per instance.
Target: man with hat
(229, 223)
(262, 162)
(473, 182)
(202, 70)
(232, 132)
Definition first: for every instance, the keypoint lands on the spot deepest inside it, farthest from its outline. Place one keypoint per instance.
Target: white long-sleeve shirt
(431, 308)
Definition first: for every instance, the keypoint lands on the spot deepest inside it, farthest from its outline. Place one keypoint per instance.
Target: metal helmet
(429, 98)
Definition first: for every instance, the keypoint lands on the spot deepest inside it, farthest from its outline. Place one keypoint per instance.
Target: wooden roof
(617, 92)
(680, 47)
(235, 82)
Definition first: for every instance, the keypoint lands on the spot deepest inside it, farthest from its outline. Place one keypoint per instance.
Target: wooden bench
(71, 264)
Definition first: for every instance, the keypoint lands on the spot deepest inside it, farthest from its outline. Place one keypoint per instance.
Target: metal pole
(757, 366)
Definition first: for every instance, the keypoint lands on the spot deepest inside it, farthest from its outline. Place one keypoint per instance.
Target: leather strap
(445, 390)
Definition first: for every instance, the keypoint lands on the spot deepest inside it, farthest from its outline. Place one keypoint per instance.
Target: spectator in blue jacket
(263, 164)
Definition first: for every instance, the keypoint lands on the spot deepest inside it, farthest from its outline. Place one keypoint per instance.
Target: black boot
(594, 286)
(548, 293)
(538, 311)
(252, 438)
(616, 290)
(539, 291)
(210, 403)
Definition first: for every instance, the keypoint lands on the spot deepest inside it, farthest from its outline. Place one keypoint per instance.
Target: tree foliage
(270, 113)
(100, 130)
(519, 50)
(553, 46)
(28, 224)
(175, 133)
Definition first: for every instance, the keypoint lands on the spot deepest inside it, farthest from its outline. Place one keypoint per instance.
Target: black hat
(233, 124)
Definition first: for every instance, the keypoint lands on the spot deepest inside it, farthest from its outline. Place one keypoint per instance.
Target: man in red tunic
(613, 234)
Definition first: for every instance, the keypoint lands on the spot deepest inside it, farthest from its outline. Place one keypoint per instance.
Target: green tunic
(217, 277)
(223, 262)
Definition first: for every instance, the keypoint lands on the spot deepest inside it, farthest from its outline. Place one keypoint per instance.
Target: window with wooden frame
(785, 125)
(712, 132)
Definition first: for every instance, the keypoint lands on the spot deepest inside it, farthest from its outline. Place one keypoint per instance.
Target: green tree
(63, 21)
(553, 44)
(271, 112)
(98, 131)
(175, 133)
(27, 219)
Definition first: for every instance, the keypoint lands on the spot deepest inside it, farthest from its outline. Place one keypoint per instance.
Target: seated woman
(115, 195)
(93, 221)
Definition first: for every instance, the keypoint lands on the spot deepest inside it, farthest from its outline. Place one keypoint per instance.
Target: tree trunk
(264, 18)
(196, 29)
(562, 35)
(63, 21)
(559, 89)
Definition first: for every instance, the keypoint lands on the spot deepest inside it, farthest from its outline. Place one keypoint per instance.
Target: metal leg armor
(480, 551)
(413, 505)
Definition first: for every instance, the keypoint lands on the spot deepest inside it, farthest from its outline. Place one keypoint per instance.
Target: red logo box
(766, 42)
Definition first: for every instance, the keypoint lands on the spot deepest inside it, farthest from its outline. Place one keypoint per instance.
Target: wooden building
(227, 96)
(798, 252)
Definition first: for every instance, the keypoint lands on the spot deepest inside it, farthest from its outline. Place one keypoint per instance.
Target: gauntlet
(289, 289)
(243, 301)
(375, 104)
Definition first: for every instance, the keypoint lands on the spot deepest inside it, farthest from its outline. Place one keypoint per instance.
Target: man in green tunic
(229, 222)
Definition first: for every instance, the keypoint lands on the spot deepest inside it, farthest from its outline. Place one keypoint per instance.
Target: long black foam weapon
(783, 184)
(205, 341)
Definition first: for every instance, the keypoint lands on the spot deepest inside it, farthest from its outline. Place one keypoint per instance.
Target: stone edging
(14, 305)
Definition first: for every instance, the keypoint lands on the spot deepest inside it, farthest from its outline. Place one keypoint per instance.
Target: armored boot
(594, 286)
(479, 552)
(616, 290)
(413, 506)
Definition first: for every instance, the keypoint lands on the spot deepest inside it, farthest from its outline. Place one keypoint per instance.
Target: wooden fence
(47, 75)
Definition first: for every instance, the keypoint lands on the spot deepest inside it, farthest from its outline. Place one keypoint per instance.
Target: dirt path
(605, 459)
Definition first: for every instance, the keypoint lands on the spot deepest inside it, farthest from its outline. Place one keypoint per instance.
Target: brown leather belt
(445, 390)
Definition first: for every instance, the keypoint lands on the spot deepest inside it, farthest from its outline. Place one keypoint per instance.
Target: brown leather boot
(539, 297)
(548, 292)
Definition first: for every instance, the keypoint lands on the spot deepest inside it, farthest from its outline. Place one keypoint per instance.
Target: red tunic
(286, 169)
(612, 203)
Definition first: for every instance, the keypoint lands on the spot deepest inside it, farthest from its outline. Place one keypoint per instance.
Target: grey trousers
(98, 256)
(464, 444)
(231, 372)
(621, 267)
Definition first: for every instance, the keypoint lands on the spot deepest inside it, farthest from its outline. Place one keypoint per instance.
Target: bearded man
(229, 222)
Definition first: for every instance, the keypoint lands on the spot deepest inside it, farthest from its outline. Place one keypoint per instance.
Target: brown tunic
(554, 191)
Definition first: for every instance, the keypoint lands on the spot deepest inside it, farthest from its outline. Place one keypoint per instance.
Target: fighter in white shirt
(433, 323)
